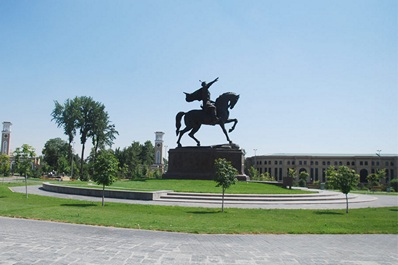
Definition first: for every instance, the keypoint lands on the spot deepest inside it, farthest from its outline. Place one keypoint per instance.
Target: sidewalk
(40, 242)
(361, 201)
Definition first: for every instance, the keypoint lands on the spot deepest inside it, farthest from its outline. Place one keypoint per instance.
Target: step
(254, 198)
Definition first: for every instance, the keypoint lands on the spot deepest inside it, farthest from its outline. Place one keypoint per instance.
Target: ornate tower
(159, 150)
(5, 138)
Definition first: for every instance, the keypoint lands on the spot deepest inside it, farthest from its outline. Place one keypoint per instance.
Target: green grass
(201, 186)
(199, 220)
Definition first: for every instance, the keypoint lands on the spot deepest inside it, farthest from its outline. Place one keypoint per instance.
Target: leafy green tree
(156, 174)
(147, 153)
(253, 173)
(24, 159)
(135, 158)
(92, 121)
(55, 154)
(4, 165)
(303, 176)
(292, 173)
(343, 179)
(63, 165)
(66, 116)
(86, 118)
(291, 177)
(129, 157)
(225, 176)
(106, 169)
(266, 177)
(376, 178)
(103, 133)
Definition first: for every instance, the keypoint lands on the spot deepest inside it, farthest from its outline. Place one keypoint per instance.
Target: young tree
(106, 169)
(4, 165)
(303, 176)
(253, 173)
(266, 176)
(292, 173)
(225, 176)
(291, 176)
(376, 178)
(24, 158)
(343, 179)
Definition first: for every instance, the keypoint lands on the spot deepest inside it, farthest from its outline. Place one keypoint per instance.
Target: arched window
(302, 170)
(362, 176)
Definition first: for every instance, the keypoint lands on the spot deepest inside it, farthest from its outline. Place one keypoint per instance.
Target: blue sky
(313, 76)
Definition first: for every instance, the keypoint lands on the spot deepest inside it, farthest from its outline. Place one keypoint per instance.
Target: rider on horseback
(203, 94)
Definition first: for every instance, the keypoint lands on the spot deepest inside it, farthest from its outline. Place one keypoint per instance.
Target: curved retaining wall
(119, 194)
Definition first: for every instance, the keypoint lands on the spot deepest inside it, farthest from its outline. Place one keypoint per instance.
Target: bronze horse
(195, 118)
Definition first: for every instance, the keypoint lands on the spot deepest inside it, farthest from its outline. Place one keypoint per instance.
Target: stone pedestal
(198, 162)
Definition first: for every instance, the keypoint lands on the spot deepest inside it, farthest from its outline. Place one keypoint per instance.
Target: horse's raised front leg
(192, 133)
(233, 126)
(225, 132)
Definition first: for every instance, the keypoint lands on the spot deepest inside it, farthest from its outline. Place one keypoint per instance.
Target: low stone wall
(118, 194)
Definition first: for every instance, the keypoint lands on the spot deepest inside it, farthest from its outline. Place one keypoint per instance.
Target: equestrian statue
(212, 113)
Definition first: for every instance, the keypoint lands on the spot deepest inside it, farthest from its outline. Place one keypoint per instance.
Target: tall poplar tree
(89, 118)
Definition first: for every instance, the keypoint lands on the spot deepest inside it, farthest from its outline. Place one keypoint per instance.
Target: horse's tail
(178, 121)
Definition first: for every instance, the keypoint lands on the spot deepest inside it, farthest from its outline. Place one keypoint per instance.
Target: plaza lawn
(199, 220)
(201, 186)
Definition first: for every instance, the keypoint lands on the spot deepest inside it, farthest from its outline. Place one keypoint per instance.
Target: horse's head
(233, 100)
(226, 100)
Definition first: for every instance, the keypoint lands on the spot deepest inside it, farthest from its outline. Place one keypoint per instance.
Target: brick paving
(40, 242)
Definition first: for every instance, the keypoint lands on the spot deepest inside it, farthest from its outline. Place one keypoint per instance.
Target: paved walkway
(39, 242)
(361, 201)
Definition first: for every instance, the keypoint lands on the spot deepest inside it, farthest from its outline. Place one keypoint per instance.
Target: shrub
(394, 184)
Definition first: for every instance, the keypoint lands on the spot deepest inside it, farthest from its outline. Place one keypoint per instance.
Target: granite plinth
(198, 162)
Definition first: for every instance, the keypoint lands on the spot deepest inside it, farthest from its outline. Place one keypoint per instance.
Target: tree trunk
(81, 162)
(26, 185)
(222, 200)
(103, 195)
(346, 199)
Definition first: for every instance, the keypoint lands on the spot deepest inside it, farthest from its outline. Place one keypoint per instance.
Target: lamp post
(378, 154)
(255, 158)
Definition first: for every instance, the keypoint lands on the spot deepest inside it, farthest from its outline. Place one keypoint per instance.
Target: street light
(255, 158)
(378, 154)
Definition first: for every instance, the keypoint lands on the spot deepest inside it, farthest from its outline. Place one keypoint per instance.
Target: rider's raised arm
(212, 82)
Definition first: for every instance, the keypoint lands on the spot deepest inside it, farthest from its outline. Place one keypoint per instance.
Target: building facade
(277, 165)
